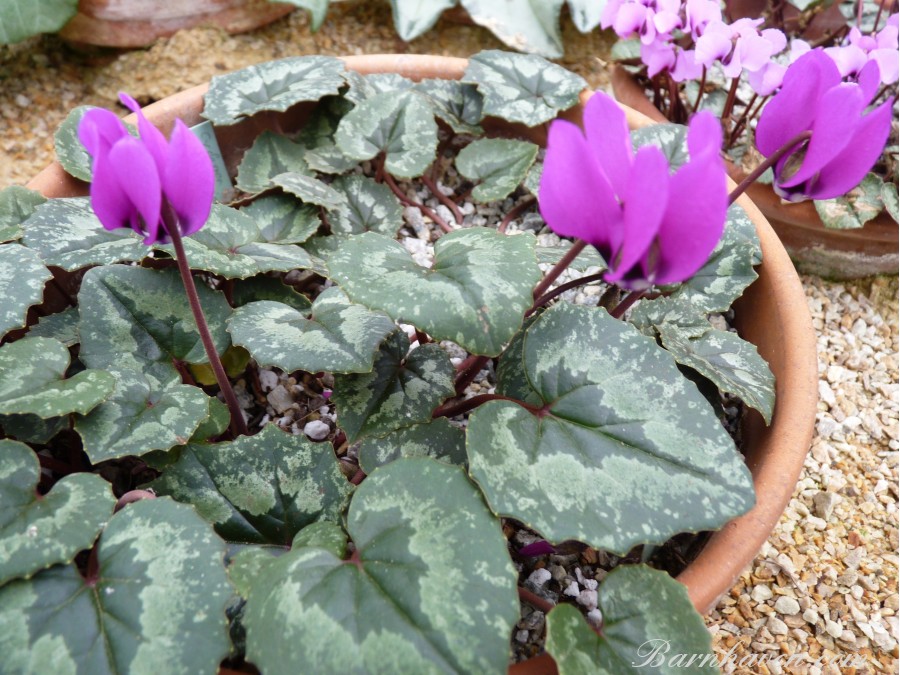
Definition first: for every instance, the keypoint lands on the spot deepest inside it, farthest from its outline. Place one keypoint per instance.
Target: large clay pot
(772, 314)
(137, 23)
(814, 248)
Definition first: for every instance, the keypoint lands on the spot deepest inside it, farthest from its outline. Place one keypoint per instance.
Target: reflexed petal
(189, 182)
(575, 198)
(607, 133)
(645, 202)
(151, 136)
(99, 129)
(837, 116)
(137, 176)
(849, 167)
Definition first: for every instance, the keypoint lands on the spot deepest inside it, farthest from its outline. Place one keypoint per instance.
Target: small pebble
(761, 593)
(787, 605)
(317, 430)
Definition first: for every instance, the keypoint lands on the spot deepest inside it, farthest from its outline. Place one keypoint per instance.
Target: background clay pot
(814, 248)
(137, 23)
(772, 314)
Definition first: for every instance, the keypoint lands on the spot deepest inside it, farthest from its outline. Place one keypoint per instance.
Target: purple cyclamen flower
(651, 227)
(845, 142)
(134, 179)
(882, 48)
(698, 14)
(680, 63)
(649, 19)
(738, 46)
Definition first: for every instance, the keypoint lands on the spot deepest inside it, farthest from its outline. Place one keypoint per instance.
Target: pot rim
(772, 313)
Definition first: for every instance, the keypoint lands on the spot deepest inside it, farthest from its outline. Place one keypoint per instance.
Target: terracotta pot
(814, 248)
(137, 23)
(772, 314)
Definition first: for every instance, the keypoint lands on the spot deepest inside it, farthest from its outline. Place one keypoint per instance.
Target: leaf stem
(729, 102)
(392, 184)
(465, 376)
(170, 220)
(535, 600)
(770, 161)
(696, 105)
(454, 409)
(559, 290)
(443, 199)
(577, 247)
(515, 212)
(626, 303)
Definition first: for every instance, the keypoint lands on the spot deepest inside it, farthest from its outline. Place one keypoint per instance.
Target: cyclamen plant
(370, 539)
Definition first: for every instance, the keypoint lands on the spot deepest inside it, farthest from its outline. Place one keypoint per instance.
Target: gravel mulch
(825, 585)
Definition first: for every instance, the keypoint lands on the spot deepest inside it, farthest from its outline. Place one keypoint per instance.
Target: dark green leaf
(438, 439)
(282, 220)
(310, 190)
(62, 326)
(458, 104)
(31, 428)
(271, 154)
(499, 164)
(322, 534)
(250, 290)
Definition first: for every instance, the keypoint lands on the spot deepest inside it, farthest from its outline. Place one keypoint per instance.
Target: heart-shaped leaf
(323, 534)
(400, 126)
(475, 294)
(37, 531)
(317, 135)
(282, 220)
(456, 103)
(499, 164)
(335, 335)
(270, 155)
(854, 209)
(33, 380)
(310, 190)
(62, 326)
(157, 602)
(600, 463)
(438, 439)
(402, 389)
(398, 587)
(649, 626)
(273, 85)
(526, 25)
(232, 245)
(670, 138)
(363, 87)
(259, 489)
(66, 233)
(16, 206)
(22, 279)
(368, 206)
(414, 17)
(70, 153)
(250, 290)
(522, 87)
(20, 19)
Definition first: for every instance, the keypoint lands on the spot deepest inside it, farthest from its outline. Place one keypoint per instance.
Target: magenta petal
(888, 64)
(575, 198)
(850, 166)
(607, 133)
(704, 135)
(137, 176)
(189, 182)
(630, 19)
(99, 129)
(151, 136)
(109, 201)
(869, 80)
(537, 548)
(645, 203)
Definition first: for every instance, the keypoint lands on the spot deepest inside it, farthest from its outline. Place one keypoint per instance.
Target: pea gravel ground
(824, 586)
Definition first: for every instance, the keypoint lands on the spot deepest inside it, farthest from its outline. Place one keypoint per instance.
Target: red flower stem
(770, 161)
(877, 18)
(515, 212)
(358, 477)
(443, 199)
(739, 128)
(440, 222)
(559, 290)
(238, 425)
(454, 409)
(466, 362)
(577, 247)
(741, 121)
(465, 377)
(729, 102)
(696, 105)
(535, 600)
(626, 303)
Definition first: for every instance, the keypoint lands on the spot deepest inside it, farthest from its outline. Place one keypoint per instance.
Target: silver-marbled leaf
(273, 85)
(157, 603)
(670, 138)
(361, 87)
(437, 439)
(412, 18)
(649, 626)
(854, 209)
(456, 103)
(525, 25)
(20, 19)
(368, 206)
(22, 279)
(335, 335)
(260, 489)
(522, 87)
(475, 294)
(588, 259)
(62, 326)
(403, 389)
(624, 449)
(16, 206)
(310, 190)
(33, 380)
(281, 220)
(499, 164)
(401, 126)
(271, 154)
(37, 531)
(431, 588)
(253, 289)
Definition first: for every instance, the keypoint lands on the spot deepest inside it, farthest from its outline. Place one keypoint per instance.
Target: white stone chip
(317, 430)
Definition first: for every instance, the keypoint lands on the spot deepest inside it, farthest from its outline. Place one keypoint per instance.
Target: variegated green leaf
(649, 626)
(589, 258)
(157, 603)
(854, 209)
(70, 153)
(259, 489)
(37, 531)
(523, 87)
(456, 103)
(532, 181)
(316, 8)
(139, 319)
(400, 126)
(322, 534)
(233, 245)
(31, 428)
(362, 87)
(670, 138)
(33, 380)
(438, 439)
(142, 415)
(335, 335)
(20, 19)
(317, 135)
(281, 220)
(273, 85)
(586, 13)
(66, 233)
(889, 197)
(250, 290)
(499, 164)
(475, 294)
(215, 424)
(271, 154)
(368, 206)
(22, 279)
(62, 326)
(432, 589)
(412, 18)
(16, 206)
(402, 389)
(248, 563)
(310, 190)
(525, 25)
(624, 451)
